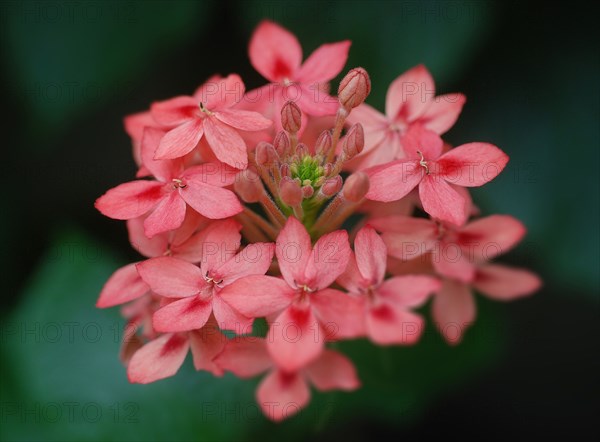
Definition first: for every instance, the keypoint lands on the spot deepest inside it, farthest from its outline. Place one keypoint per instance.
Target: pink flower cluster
(320, 214)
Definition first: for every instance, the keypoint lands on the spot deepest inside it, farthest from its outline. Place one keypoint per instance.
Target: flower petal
(257, 295)
(312, 100)
(149, 247)
(387, 324)
(211, 201)
(340, 315)
(171, 277)
(206, 344)
(451, 261)
(392, 181)
(295, 338)
(220, 93)
(245, 357)
(333, 371)
(408, 291)
(230, 319)
(181, 140)
(254, 259)
(274, 52)
(182, 315)
(158, 359)
(453, 310)
(281, 395)
(324, 63)
(441, 201)
(406, 237)
(168, 215)
(371, 254)
(328, 260)
(130, 200)
(174, 111)
(503, 283)
(163, 170)
(491, 236)
(243, 120)
(472, 164)
(227, 145)
(442, 112)
(293, 250)
(123, 286)
(409, 95)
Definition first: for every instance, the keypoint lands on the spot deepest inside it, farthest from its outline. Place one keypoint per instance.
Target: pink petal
(371, 254)
(406, 237)
(181, 140)
(257, 295)
(174, 111)
(332, 371)
(351, 279)
(226, 143)
(453, 262)
(340, 315)
(182, 315)
(387, 324)
(130, 200)
(453, 310)
(392, 181)
(281, 395)
(254, 259)
(324, 63)
(246, 357)
(210, 201)
(441, 201)
(408, 291)
(168, 215)
(409, 95)
(206, 344)
(293, 250)
(214, 174)
(488, 237)
(503, 283)
(419, 141)
(221, 93)
(123, 286)
(158, 359)
(149, 247)
(218, 243)
(375, 125)
(312, 100)
(442, 112)
(295, 338)
(171, 277)
(229, 319)
(274, 52)
(243, 120)
(136, 123)
(472, 164)
(163, 170)
(328, 260)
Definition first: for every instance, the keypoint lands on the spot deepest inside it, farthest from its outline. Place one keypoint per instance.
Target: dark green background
(72, 70)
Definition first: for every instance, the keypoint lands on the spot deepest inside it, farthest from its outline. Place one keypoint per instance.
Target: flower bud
(290, 192)
(291, 117)
(301, 150)
(354, 141)
(248, 186)
(356, 187)
(265, 154)
(281, 143)
(324, 143)
(284, 170)
(307, 191)
(354, 88)
(332, 186)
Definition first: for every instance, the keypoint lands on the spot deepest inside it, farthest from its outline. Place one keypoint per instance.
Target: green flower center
(308, 170)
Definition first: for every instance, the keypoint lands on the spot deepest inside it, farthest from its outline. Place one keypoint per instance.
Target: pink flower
(281, 393)
(306, 311)
(163, 356)
(468, 165)
(277, 55)
(167, 198)
(210, 112)
(455, 252)
(454, 307)
(386, 303)
(410, 100)
(193, 292)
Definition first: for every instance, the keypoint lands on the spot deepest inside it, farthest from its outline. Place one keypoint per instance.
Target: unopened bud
(354, 142)
(324, 143)
(307, 191)
(332, 186)
(290, 192)
(301, 150)
(281, 143)
(291, 117)
(248, 186)
(265, 154)
(284, 170)
(356, 187)
(354, 88)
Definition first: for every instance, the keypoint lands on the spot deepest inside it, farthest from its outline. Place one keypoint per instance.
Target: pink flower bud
(301, 150)
(332, 186)
(281, 143)
(354, 88)
(291, 117)
(354, 142)
(307, 191)
(324, 143)
(248, 186)
(356, 187)
(265, 154)
(284, 169)
(290, 192)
